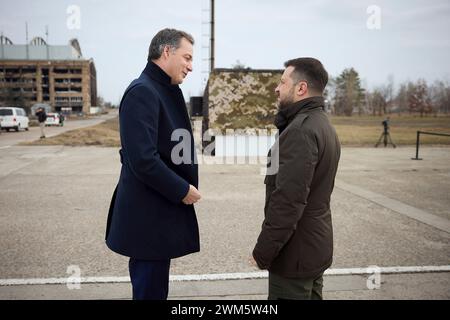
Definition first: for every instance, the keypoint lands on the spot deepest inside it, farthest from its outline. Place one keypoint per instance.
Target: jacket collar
(286, 115)
(156, 73)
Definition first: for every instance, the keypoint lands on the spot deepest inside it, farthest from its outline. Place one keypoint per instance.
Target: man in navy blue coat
(152, 218)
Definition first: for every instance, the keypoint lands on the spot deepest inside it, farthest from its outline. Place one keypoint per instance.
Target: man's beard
(287, 101)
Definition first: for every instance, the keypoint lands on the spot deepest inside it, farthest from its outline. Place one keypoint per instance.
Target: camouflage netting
(242, 99)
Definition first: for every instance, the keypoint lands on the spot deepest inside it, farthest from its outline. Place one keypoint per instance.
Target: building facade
(42, 73)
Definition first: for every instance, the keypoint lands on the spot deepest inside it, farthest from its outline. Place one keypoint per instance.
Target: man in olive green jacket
(296, 240)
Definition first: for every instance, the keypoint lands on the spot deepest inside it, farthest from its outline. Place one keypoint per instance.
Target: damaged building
(37, 72)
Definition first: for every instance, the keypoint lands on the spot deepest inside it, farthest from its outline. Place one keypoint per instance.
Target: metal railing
(418, 141)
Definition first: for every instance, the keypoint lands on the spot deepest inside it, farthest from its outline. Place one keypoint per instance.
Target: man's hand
(192, 196)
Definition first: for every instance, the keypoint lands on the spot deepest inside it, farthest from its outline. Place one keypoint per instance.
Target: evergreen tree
(349, 95)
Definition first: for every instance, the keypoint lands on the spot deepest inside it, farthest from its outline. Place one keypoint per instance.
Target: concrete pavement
(54, 200)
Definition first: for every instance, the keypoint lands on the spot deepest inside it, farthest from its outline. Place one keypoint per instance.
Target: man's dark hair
(311, 70)
(167, 37)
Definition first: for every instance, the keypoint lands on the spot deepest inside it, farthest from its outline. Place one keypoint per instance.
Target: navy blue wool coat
(147, 218)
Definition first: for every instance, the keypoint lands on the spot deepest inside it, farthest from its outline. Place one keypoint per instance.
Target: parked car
(54, 119)
(13, 118)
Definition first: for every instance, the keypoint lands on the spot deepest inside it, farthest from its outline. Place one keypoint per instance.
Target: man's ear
(302, 88)
(166, 51)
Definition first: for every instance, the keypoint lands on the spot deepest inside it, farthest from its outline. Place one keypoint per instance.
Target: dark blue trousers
(149, 279)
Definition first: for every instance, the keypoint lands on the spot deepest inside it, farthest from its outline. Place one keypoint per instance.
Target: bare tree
(239, 65)
(403, 96)
(329, 94)
(440, 96)
(379, 101)
(419, 100)
(100, 101)
(388, 94)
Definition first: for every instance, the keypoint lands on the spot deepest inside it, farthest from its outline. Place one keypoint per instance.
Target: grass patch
(366, 130)
(105, 134)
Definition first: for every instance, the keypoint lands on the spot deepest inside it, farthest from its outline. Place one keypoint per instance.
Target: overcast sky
(411, 42)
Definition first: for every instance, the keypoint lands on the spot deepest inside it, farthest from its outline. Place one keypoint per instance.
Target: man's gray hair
(167, 37)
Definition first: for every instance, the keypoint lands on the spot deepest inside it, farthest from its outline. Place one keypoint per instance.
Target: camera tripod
(386, 139)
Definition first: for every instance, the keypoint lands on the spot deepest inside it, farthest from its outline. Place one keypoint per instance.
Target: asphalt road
(12, 137)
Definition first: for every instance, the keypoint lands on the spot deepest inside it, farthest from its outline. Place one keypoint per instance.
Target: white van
(13, 118)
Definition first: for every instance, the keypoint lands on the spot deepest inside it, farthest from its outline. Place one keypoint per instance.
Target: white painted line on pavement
(387, 270)
(397, 206)
(4, 147)
(220, 276)
(227, 276)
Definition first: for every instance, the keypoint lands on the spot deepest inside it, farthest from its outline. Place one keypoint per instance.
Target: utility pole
(208, 39)
(211, 68)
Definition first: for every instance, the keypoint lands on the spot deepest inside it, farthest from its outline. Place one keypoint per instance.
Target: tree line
(346, 96)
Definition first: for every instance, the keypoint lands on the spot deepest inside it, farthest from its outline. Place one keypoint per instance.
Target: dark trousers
(281, 288)
(149, 279)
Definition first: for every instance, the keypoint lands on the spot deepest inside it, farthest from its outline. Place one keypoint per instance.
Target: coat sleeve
(139, 114)
(298, 156)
